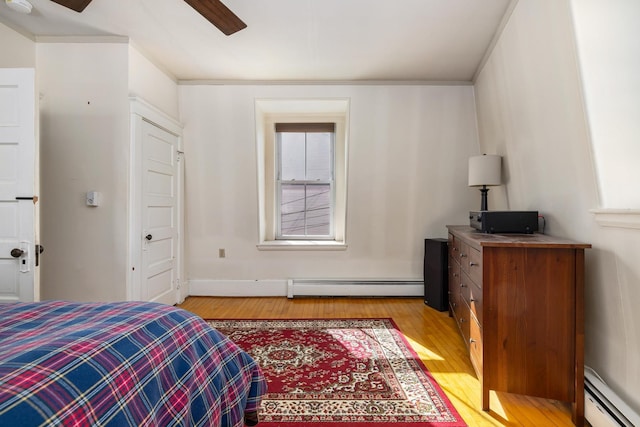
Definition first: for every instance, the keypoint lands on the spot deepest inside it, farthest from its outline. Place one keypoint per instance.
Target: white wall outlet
(93, 198)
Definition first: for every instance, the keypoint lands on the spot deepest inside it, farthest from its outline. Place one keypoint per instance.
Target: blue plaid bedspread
(120, 364)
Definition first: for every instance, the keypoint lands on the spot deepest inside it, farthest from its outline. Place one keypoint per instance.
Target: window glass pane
(292, 156)
(319, 156)
(292, 209)
(305, 210)
(318, 209)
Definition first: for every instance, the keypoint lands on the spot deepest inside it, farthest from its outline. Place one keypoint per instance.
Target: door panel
(158, 285)
(17, 177)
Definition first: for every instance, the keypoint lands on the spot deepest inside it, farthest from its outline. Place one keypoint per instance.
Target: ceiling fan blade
(77, 5)
(218, 14)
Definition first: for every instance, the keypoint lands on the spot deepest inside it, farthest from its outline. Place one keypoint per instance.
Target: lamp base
(484, 205)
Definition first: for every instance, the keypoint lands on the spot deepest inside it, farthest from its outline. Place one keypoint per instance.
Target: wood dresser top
(536, 240)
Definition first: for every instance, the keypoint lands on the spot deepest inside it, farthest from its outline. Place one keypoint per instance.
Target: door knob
(148, 237)
(17, 253)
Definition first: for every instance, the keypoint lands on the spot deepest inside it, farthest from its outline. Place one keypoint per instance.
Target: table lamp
(484, 170)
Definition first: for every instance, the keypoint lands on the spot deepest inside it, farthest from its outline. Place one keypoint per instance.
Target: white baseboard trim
(307, 287)
(355, 287)
(238, 288)
(603, 407)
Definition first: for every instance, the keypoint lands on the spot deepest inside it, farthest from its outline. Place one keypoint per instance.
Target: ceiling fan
(213, 10)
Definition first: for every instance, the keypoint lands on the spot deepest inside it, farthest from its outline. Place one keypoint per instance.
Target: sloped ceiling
(289, 40)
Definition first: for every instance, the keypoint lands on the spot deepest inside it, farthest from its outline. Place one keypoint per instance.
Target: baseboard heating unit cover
(603, 407)
(355, 288)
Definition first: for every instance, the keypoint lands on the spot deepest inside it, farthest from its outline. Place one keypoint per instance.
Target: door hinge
(33, 198)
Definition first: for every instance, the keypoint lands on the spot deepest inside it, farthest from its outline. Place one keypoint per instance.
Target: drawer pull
(462, 285)
(462, 255)
(472, 300)
(461, 320)
(471, 264)
(471, 341)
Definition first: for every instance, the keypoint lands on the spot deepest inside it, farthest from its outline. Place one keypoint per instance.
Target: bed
(121, 364)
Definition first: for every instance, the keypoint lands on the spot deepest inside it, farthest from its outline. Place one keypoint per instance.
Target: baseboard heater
(603, 407)
(355, 287)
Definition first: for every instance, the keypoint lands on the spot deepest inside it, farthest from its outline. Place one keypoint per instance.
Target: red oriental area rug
(339, 372)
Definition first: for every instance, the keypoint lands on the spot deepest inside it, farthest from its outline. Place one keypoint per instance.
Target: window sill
(618, 218)
(302, 245)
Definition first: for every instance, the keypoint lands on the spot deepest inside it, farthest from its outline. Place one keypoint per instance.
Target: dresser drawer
(465, 286)
(454, 272)
(454, 247)
(475, 346)
(454, 280)
(475, 302)
(474, 263)
(472, 296)
(461, 314)
(463, 257)
(455, 301)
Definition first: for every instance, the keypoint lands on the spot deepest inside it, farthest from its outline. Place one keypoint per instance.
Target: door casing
(141, 113)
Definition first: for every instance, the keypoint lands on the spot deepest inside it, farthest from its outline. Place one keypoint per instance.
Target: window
(305, 180)
(301, 147)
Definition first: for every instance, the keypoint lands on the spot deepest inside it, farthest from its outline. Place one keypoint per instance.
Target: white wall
(152, 84)
(16, 50)
(84, 147)
(407, 179)
(530, 110)
(607, 35)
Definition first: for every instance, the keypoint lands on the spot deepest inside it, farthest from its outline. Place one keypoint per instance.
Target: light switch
(93, 198)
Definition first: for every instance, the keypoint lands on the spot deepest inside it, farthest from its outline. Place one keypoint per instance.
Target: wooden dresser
(518, 301)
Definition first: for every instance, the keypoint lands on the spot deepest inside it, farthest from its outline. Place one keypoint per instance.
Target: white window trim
(269, 112)
(302, 245)
(618, 218)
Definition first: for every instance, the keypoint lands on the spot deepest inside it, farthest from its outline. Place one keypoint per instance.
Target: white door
(17, 177)
(160, 158)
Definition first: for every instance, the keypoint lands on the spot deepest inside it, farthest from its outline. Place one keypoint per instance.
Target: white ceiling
(289, 40)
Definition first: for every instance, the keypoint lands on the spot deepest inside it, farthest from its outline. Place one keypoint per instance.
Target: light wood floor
(433, 336)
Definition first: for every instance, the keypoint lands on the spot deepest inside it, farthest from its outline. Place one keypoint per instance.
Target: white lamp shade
(485, 170)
